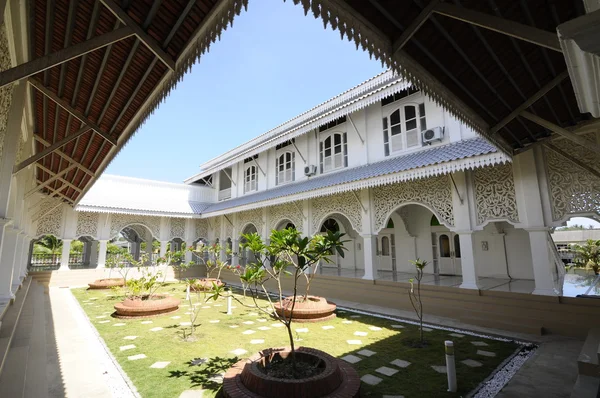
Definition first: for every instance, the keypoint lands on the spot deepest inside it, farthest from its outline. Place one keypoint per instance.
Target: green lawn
(216, 341)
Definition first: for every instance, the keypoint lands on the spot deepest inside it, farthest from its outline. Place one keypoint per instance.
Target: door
(448, 250)
(385, 252)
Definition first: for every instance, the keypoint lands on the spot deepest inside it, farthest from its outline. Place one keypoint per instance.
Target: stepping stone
(354, 316)
(479, 343)
(136, 357)
(156, 329)
(261, 320)
(185, 323)
(248, 332)
(354, 342)
(400, 363)
(239, 351)
(107, 321)
(427, 329)
(218, 305)
(253, 313)
(458, 335)
(175, 317)
(352, 358)
(234, 326)
(206, 306)
(146, 322)
(439, 369)
(233, 307)
(119, 324)
(366, 353)
(371, 380)
(346, 322)
(328, 327)
(248, 323)
(130, 337)
(188, 313)
(160, 365)
(192, 394)
(264, 328)
(277, 325)
(257, 341)
(214, 321)
(472, 363)
(302, 330)
(486, 353)
(185, 305)
(127, 347)
(362, 334)
(101, 316)
(384, 370)
(374, 328)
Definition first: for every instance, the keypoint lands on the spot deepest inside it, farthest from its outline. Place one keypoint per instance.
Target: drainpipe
(506, 255)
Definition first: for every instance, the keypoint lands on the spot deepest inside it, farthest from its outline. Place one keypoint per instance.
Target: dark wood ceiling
(490, 72)
(109, 85)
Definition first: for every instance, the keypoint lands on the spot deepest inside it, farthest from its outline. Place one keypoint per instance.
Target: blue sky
(274, 64)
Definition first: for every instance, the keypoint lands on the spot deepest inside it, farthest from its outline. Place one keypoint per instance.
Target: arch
(248, 228)
(343, 222)
(428, 207)
(133, 226)
(284, 223)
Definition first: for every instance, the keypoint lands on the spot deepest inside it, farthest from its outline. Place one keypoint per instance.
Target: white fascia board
(115, 210)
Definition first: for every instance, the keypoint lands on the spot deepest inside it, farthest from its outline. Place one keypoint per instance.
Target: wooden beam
(414, 26)
(505, 26)
(140, 33)
(46, 62)
(534, 98)
(562, 131)
(52, 174)
(66, 157)
(49, 150)
(578, 162)
(49, 181)
(63, 104)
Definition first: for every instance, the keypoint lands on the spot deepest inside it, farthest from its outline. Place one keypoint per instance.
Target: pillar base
(63, 268)
(545, 292)
(470, 285)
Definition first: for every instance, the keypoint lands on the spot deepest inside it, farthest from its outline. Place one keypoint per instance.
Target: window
(444, 246)
(284, 166)
(333, 152)
(385, 246)
(250, 179)
(456, 246)
(402, 128)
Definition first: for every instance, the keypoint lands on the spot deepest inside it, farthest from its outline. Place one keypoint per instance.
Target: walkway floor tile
(248, 332)
(175, 317)
(127, 347)
(130, 337)
(472, 363)
(479, 343)
(302, 330)
(366, 353)
(156, 329)
(352, 358)
(146, 322)
(239, 351)
(264, 328)
(457, 335)
(119, 324)
(328, 327)
(107, 321)
(362, 334)
(439, 369)
(136, 357)
(214, 321)
(248, 323)
(277, 325)
(371, 380)
(384, 370)
(185, 323)
(257, 341)
(375, 328)
(486, 353)
(400, 363)
(160, 365)
(354, 342)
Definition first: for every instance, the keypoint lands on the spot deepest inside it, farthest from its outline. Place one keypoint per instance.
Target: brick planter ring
(246, 379)
(137, 308)
(107, 283)
(206, 284)
(315, 309)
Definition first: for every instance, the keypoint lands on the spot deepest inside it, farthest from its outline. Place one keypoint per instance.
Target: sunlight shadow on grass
(209, 376)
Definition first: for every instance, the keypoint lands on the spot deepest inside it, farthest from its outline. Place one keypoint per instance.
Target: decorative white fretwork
(286, 212)
(573, 190)
(51, 223)
(201, 229)
(434, 192)
(228, 226)
(216, 223)
(404, 214)
(345, 204)
(87, 224)
(495, 196)
(120, 221)
(177, 228)
(254, 216)
(6, 91)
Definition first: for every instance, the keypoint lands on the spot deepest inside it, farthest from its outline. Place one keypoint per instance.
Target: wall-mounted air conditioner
(310, 170)
(432, 135)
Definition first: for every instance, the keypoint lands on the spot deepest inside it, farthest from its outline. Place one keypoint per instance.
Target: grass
(215, 341)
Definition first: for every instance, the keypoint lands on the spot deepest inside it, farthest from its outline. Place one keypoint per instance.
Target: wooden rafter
(139, 32)
(414, 26)
(52, 174)
(66, 157)
(562, 131)
(48, 61)
(67, 107)
(50, 181)
(505, 26)
(530, 101)
(50, 149)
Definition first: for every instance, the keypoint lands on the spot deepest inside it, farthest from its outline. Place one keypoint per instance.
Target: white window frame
(343, 154)
(402, 141)
(251, 178)
(284, 177)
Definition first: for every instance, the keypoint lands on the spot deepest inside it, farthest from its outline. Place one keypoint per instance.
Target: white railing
(559, 266)
(225, 194)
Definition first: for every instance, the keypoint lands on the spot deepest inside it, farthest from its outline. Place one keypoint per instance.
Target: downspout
(506, 255)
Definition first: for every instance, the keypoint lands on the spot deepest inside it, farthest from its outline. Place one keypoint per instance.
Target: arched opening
(136, 240)
(285, 224)
(352, 264)
(245, 256)
(45, 253)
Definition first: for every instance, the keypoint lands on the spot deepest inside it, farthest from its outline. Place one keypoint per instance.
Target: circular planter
(206, 284)
(315, 309)
(138, 308)
(107, 283)
(247, 379)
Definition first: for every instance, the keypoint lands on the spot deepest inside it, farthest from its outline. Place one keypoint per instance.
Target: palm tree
(588, 255)
(50, 244)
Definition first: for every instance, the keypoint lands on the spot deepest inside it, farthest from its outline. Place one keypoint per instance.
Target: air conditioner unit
(310, 170)
(432, 135)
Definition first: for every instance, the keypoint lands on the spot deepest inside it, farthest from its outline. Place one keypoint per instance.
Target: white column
(370, 253)
(235, 257)
(102, 253)
(188, 253)
(8, 238)
(25, 256)
(469, 270)
(93, 250)
(16, 282)
(542, 263)
(163, 247)
(64, 256)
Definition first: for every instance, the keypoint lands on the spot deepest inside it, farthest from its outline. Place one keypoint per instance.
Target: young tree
(415, 297)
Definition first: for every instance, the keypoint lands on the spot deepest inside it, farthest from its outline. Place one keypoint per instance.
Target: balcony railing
(225, 194)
